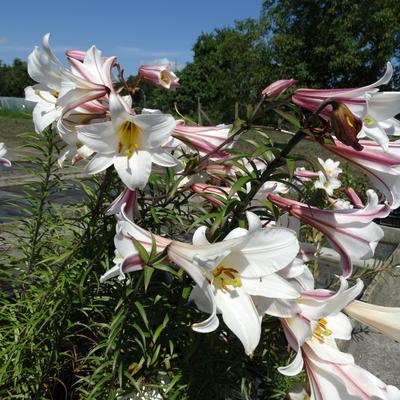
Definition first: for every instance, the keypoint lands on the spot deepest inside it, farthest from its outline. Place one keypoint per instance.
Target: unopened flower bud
(345, 125)
(278, 87)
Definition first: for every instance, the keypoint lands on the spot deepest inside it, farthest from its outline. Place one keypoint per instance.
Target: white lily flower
(351, 232)
(378, 118)
(159, 75)
(328, 184)
(330, 168)
(385, 320)
(129, 142)
(230, 281)
(45, 68)
(227, 274)
(91, 78)
(54, 85)
(312, 332)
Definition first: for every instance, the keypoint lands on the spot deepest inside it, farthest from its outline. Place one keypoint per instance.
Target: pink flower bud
(278, 87)
(354, 197)
(213, 194)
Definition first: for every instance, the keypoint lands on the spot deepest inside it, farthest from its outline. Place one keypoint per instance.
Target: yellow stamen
(321, 332)
(224, 277)
(130, 136)
(368, 120)
(39, 94)
(165, 77)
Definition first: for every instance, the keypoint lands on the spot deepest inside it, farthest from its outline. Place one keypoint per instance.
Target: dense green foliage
(65, 335)
(333, 42)
(14, 79)
(322, 44)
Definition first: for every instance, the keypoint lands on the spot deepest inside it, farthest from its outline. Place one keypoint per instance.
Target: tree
(230, 65)
(333, 42)
(14, 78)
(329, 43)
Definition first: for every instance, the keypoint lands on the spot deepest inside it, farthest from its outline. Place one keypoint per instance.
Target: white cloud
(3, 40)
(175, 65)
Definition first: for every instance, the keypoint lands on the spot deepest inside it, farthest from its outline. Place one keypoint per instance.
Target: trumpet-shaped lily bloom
(91, 79)
(45, 68)
(385, 320)
(159, 75)
(54, 84)
(203, 138)
(333, 374)
(383, 168)
(350, 232)
(375, 109)
(248, 269)
(129, 142)
(227, 273)
(3, 151)
(278, 87)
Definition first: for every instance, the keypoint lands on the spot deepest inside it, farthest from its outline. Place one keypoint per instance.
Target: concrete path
(374, 351)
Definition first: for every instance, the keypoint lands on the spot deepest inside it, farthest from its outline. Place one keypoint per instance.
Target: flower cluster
(241, 272)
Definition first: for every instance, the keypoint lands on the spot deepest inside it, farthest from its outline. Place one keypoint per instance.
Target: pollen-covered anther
(368, 120)
(129, 138)
(321, 331)
(165, 77)
(224, 277)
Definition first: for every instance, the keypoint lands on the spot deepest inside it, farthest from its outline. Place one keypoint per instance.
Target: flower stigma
(129, 138)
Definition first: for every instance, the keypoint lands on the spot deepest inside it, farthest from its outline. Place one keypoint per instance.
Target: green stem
(242, 206)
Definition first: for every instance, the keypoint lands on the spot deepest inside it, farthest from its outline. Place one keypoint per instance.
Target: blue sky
(135, 32)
